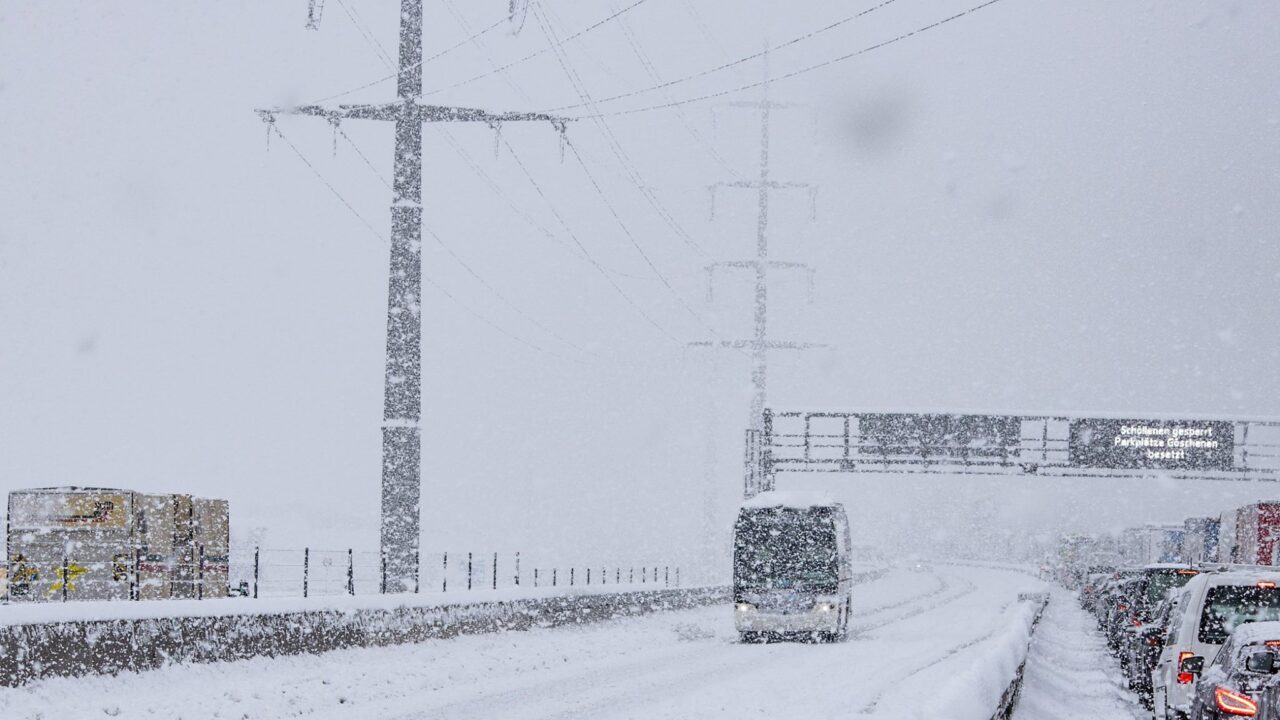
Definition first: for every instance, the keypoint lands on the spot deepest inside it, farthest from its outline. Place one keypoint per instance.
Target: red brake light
(1153, 640)
(1122, 606)
(1272, 643)
(1269, 584)
(1186, 678)
(1234, 703)
(1188, 572)
(1136, 621)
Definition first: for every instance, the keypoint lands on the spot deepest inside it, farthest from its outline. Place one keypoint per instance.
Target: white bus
(791, 568)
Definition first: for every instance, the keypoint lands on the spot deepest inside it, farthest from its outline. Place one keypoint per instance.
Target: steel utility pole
(760, 344)
(402, 397)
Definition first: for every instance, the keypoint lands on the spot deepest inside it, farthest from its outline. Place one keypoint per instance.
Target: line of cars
(1196, 642)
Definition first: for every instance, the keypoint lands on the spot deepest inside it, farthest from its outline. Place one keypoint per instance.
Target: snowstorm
(642, 358)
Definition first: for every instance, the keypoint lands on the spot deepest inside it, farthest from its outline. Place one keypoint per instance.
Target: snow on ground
(1069, 673)
(914, 632)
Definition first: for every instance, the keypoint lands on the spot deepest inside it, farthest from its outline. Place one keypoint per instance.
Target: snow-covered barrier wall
(986, 683)
(120, 640)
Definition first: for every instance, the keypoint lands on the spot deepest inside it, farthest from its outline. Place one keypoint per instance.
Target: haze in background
(1044, 206)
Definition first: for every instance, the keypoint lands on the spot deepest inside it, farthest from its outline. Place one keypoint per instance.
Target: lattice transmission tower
(402, 393)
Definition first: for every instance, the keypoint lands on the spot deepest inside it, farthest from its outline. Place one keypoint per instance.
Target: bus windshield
(785, 549)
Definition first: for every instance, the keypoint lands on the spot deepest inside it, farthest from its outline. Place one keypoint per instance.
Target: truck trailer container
(1200, 540)
(1257, 533)
(73, 543)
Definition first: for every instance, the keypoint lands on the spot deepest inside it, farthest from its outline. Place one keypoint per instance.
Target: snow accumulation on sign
(67, 511)
(1152, 444)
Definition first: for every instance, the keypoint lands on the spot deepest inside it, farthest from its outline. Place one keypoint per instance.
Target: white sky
(1044, 206)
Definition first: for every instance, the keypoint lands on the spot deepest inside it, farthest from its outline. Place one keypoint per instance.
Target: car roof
(1233, 577)
(1256, 632)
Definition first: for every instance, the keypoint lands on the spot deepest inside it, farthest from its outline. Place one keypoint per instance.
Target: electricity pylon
(760, 344)
(402, 395)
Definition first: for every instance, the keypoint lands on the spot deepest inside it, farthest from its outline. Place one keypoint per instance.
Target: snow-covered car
(1208, 610)
(1230, 685)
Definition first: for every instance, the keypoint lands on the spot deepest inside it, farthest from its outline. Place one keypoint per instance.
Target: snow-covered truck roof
(788, 499)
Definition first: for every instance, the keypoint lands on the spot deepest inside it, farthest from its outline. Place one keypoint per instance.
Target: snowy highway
(915, 633)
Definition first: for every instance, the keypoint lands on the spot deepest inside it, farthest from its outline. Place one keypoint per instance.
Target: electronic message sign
(1152, 444)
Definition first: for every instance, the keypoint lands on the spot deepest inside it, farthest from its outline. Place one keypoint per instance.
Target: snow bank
(976, 680)
(985, 685)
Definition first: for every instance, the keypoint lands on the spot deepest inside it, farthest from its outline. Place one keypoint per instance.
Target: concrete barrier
(32, 651)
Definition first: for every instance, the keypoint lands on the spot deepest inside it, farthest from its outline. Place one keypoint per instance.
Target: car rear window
(1161, 583)
(1227, 607)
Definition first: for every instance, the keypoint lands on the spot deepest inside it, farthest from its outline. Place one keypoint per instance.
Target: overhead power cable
(733, 63)
(636, 243)
(395, 75)
(628, 165)
(522, 213)
(426, 278)
(537, 53)
(795, 73)
(467, 267)
(369, 39)
(603, 272)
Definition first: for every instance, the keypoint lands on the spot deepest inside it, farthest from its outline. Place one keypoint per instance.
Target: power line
(807, 36)
(394, 75)
(537, 53)
(604, 273)
(502, 194)
(478, 278)
(636, 243)
(465, 307)
(466, 27)
(615, 146)
(795, 73)
(647, 63)
(369, 39)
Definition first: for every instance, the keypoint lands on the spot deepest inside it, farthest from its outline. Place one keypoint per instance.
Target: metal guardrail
(1009, 700)
(72, 649)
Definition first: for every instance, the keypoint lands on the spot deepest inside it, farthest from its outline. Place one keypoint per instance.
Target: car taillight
(1153, 640)
(1233, 703)
(1186, 678)
(1137, 622)
(1122, 607)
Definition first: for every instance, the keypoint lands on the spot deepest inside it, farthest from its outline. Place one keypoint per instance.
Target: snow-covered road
(914, 634)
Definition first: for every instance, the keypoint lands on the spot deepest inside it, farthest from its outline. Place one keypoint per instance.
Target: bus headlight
(743, 607)
(825, 607)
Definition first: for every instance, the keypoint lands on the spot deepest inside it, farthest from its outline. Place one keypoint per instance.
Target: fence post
(444, 584)
(382, 560)
(631, 577)
(200, 576)
(495, 571)
(617, 576)
(65, 564)
(604, 576)
(517, 568)
(417, 570)
(677, 576)
(468, 571)
(351, 572)
(666, 576)
(137, 573)
(553, 577)
(535, 577)
(644, 575)
(256, 550)
(570, 577)
(588, 576)
(306, 569)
